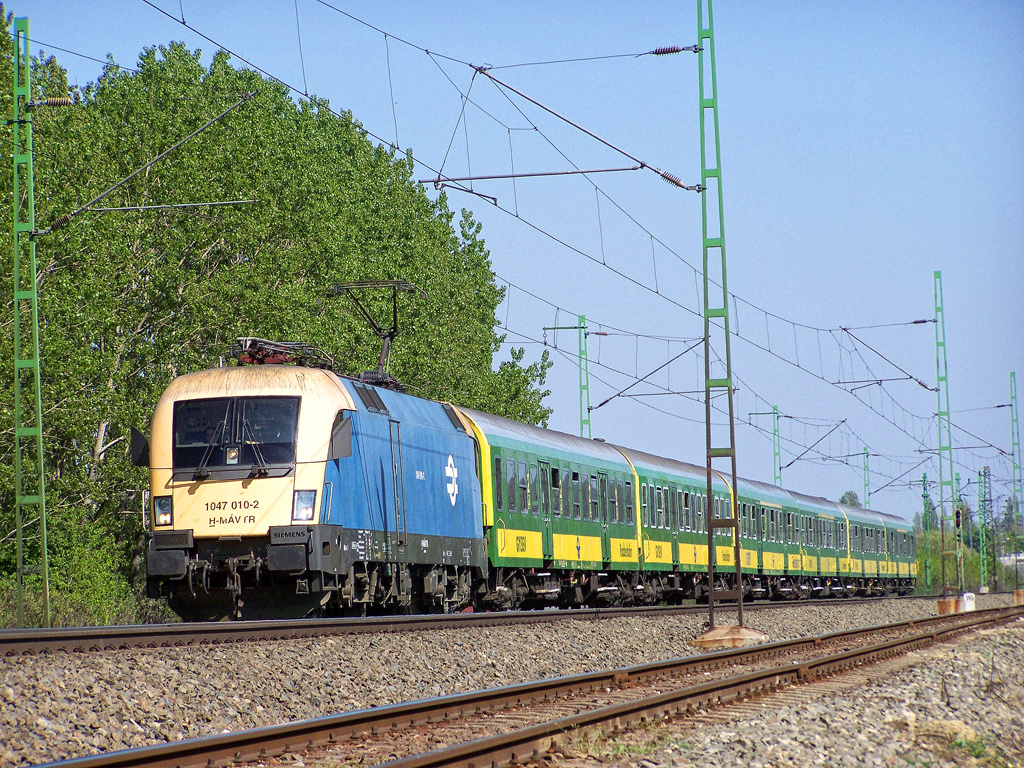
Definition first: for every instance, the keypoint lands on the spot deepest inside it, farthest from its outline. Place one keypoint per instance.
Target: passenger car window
(534, 490)
(498, 484)
(511, 480)
(566, 493)
(585, 502)
(523, 490)
(556, 491)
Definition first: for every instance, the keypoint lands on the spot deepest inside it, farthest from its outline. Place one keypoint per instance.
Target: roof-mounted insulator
(253, 351)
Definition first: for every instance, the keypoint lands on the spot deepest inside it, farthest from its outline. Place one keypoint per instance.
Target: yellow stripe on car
(576, 548)
(515, 543)
(625, 551)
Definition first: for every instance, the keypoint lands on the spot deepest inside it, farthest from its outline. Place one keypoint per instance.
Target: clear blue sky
(864, 145)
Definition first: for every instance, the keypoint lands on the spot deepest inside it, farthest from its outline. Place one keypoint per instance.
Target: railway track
(517, 723)
(19, 642)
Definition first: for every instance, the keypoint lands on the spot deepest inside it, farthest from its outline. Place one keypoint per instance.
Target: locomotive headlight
(302, 508)
(163, 510)
(231, 457)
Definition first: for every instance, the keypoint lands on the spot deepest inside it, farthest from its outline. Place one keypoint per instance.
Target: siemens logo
(286, 535)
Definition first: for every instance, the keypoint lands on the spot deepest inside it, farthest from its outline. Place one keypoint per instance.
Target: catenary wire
(736, 299)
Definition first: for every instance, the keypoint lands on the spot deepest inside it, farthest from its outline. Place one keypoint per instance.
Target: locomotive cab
(237, 474)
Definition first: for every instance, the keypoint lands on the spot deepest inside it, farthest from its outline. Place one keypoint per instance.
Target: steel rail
(18, 642)
(260, 743)
(522, 745)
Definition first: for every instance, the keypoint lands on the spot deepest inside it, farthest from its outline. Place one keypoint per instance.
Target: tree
(849, 498)
(1011, 524)
(932, 515)
(130, 300)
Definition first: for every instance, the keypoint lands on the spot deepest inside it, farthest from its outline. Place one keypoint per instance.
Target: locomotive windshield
(253, 434)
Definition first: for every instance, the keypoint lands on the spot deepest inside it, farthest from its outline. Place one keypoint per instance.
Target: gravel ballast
(56, 707)
(954, 704)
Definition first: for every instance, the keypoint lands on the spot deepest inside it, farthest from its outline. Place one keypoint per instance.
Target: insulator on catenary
(61, 222)
(53, 101)
(668, 50)
(676, 181)
(672, 179)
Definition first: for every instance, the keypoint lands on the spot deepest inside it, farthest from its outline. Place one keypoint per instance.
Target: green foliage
(850, 498)
(930, 516)
(130, 300)
(929, 548)
(976, 747)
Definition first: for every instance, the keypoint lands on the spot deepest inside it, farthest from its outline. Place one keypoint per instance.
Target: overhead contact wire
(302, 59)
(549, 235)
(64, 220)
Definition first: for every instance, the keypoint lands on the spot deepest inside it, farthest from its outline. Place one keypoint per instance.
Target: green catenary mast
(1016, 518)
(30, 485)
(584, 363)
(867, 481)
(960, 510)
(776, 446)
(716, 312)
(926, 528)
(946, 513)
(984, 514)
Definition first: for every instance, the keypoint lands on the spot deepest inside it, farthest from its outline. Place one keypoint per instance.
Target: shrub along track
(517, 723)
(18, 642)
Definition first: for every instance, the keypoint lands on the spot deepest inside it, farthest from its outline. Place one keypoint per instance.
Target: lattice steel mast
(583, 359)
(960, 521)
(945, 446)
(1016, 517)
(776, 446)
(867, 481)
(30, 484)
(776, 442)
(716, 310)
(926, 529)
(984, 514)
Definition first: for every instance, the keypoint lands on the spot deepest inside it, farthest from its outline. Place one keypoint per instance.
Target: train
(283, 489)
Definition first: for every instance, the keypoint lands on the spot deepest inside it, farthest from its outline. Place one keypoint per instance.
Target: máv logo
(452, 473)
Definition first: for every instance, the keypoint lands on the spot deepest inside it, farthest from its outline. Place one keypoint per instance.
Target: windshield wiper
(261, 464)
(202, 472)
